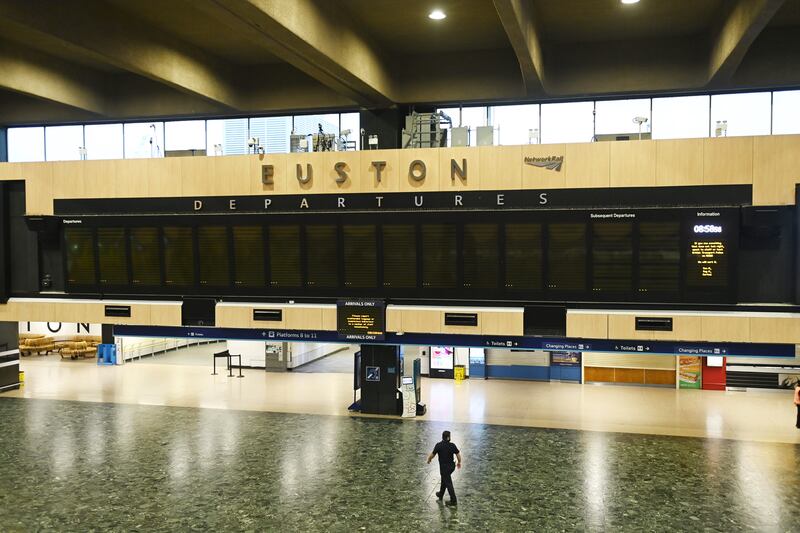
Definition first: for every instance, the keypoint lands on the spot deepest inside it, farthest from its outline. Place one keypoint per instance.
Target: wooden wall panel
(502, 322)
(449, 181)
(679, 162)
(501, 168)
(316, 184)
(352, 168)
(659, 377)
(587, 325)
(229, 316)
(10, 171)
(725, 328)
(632, 163)
(419, 320)
(684, 328)
(328, 317)
(302, 317)
(130, 181)
(280, 171)
(628, 375)
(197, 177)
(163, 175)
(38, 187)
(727, 160)
(431, 158)
(776, 169)
(623, 326)
(232, 173)
(166, 314)
(587, 165)
(394, 319)
(534, 177)
(390, 174)
(775, 329)
(600, 375)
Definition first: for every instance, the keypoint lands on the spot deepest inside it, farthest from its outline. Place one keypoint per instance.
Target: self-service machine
(381, 372)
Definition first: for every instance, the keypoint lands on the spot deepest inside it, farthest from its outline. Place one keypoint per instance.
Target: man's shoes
(439, 495)
(452, 503)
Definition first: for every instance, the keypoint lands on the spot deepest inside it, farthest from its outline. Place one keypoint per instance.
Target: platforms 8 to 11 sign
(360, 319)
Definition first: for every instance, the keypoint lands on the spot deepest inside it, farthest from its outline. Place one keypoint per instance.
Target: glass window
(352, 122)
(185, 135)
(785, 113)
(104, 141)
(25, 144)
(144, 139)
(310, 124)
(273, 133)
(680, 117)
(567, 123)
(470, 117)
(515, 124)
(226, 137)
(63, 143)
(616, 116)
(746, 113)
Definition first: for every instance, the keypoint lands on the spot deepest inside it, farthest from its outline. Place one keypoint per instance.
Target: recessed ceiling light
(437, 14)
(629, 1)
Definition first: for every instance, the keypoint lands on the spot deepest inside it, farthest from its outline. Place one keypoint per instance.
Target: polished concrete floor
(79, 466)
(340, 362)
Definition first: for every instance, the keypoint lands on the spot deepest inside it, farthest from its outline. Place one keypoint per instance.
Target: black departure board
(112, 256)
(145, 257)
(360, 256)
(523, 256)
(612, 256)
(439, 256)
(178, 256)
(215, 268)
(361, 319)
(659, 256)
(707, 254)
(322, 260)
(79, 244)
(399, 256)
(481, 256)
(284, 256)
(248, 256)
(566, 252)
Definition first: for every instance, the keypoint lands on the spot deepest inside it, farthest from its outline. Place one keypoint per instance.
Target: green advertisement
(690, 372)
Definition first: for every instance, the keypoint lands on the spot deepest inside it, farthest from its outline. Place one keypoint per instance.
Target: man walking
(446, 450)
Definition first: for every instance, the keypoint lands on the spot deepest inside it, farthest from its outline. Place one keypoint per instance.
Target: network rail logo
(551, 162)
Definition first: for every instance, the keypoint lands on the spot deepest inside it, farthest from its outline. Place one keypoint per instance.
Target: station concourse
(256, 258)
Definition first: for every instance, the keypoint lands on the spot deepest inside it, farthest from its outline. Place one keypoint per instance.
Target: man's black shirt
(445, 450)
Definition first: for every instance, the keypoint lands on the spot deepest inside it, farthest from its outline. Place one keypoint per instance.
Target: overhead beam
(518, 21)
(46, 78)
(315, 37)
(127, 44)
(734, 33)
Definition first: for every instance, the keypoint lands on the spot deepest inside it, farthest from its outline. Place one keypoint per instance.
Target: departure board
(248, 256)
(399, 256)
(112, 256)
(439, 256)
(481, 256)
(215, 268)
(284, 256)
(80, 256)
(707, 254)
(145, 257)
(612, 256)
(178, 256)
(322, 260)
(659, 256)
(360, 256)
(566, 252)
(523, 256)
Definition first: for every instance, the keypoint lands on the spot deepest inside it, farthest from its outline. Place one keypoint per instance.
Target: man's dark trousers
(446, 471)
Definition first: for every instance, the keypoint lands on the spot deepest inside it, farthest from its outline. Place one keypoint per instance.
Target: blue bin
(106, 354)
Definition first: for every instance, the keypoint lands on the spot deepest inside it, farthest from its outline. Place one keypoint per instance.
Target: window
(567, 123)
(352, 122)
(104, 141)
(226, 137)
(185, 135)
(680, 117)
(144, 139)
(63, 143)
(470, 117)
(515, 124)
(25, 144)
(273, 133)
(310, 124)
(746, 113)
(785, 113)
(616, 116)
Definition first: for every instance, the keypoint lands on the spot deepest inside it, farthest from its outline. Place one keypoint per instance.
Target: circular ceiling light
(629, 1)
(437, 14)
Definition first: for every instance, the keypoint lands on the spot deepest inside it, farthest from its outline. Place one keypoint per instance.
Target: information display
(361, 319)
(707, 253)
(80, 256)
(442, 357)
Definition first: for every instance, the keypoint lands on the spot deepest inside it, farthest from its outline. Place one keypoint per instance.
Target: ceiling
(103, 60)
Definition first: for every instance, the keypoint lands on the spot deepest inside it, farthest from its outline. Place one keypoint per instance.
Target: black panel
(481, 256)
(612, 256)
(322, 263)
(212, 242)
(766, 254)
(284, 256)
(268, 315)
(248, 256)
(23, 243)
(79, 244)
(118, 310)
(753, 380)
(360, 257)
(112, 256)
(653, 323)
(198, 311)
(178, 256)
(399, 256)
(145, 253)
(659, 257)
(523, 256)
(545, 320)
(461, 319)
(566, 257)
(439, 256)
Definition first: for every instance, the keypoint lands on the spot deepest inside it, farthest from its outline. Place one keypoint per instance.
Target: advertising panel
(690, 372)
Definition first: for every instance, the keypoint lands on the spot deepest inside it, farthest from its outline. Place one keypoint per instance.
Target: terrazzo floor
(76, 466)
